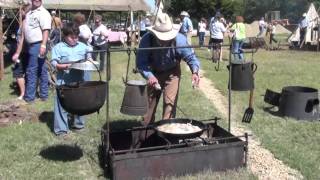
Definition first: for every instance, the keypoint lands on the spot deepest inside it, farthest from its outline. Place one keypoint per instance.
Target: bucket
(135, 99)
(242, 76)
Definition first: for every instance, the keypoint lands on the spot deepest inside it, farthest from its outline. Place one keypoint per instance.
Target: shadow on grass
(47, 117)
(62, 152)
(272, 111)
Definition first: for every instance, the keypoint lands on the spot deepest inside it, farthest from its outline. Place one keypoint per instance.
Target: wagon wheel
(51, 75)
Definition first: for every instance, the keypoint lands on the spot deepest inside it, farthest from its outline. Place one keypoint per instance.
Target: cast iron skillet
(160, 133)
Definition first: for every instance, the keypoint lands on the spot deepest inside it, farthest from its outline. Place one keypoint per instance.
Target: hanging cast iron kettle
(82, 98)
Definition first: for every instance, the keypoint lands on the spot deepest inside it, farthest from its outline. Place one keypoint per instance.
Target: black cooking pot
(242, 76)
(295, 101)
(171, 136)
(82, 98)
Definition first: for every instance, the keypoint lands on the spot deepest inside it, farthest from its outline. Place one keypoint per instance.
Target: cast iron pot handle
(272, 97)
(60, 91)
(312, 103)
(254, 67)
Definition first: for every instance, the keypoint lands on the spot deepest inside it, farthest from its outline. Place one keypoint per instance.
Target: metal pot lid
(239, 61)
(86, 66)
(137, 82)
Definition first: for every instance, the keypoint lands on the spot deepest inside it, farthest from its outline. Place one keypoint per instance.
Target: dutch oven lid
(240, 62)
(136, 82)
(86, 66)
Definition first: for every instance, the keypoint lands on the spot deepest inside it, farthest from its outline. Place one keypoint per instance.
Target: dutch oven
(295, 101)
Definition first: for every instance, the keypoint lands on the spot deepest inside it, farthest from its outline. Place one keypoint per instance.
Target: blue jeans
(102, 55)
(237, 49)
(201, 38)
(61, 121)
(36, 69)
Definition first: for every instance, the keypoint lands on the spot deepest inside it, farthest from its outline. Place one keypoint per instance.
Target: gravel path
(261, 161)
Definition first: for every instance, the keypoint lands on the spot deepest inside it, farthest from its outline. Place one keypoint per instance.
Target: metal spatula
(247, 116)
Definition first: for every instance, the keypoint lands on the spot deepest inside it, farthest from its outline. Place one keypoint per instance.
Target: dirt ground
(16, 111)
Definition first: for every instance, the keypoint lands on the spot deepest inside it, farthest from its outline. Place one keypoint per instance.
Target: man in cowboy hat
(186, 26)
(161, 67)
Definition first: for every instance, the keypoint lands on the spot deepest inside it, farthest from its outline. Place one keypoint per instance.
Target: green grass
(294, 142)
(31, 150)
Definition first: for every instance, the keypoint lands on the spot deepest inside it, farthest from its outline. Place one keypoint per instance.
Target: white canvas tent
(97, 5)
(11, 3)
(103, 5)
(311, 35)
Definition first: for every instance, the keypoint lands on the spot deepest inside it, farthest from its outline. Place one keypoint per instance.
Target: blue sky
(151, 4)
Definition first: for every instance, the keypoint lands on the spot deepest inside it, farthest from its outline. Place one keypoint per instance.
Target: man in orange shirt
(55, 33)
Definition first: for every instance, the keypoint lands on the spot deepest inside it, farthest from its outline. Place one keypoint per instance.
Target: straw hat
(184, 13)
(163, 28)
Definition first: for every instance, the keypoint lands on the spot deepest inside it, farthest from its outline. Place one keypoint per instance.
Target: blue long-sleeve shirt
(61, 53)
(304, 23)
(160, 60)
(186, 25)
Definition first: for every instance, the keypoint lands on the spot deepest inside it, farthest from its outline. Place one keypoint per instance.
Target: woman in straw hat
(161, 67)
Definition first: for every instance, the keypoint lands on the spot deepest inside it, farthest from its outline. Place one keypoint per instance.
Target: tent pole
(131, 29)
(1, 50)
(318, 41)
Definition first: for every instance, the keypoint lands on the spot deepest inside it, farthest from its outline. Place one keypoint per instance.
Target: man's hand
(15, 57)
(63, 66)
(195, 79)
(42, 50)
(152, 81)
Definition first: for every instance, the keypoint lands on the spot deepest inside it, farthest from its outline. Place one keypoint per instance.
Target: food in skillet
(178, 128)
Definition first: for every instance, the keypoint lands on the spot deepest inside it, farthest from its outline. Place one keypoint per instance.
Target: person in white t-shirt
(273, 32)
(36, 28)
(202, 25)
(217, 30)
(262, 27)
(100, 35)
(85, 34)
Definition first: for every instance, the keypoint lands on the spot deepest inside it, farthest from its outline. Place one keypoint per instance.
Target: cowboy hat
(163, 28)
(184, 13)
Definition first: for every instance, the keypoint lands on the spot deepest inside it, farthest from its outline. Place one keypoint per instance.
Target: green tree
(205, 8)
